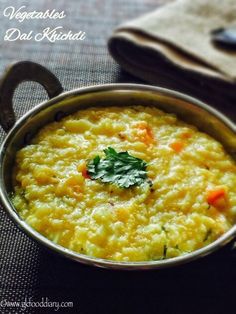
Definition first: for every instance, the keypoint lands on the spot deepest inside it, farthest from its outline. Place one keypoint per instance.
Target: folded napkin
(172, 47)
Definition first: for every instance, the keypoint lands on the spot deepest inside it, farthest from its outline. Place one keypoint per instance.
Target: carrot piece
(213, 197)
(177, 146)
(186, 135)
(83, 169)
(147, 136)
(85, 172)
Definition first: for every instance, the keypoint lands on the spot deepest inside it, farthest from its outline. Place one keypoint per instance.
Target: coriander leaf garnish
(119, 168)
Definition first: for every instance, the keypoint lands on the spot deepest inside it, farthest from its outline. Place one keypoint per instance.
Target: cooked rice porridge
(187, 201)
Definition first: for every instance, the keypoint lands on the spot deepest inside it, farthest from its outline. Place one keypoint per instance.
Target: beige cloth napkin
(172, 47)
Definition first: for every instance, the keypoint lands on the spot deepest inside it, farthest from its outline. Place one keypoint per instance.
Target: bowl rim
(85, 259)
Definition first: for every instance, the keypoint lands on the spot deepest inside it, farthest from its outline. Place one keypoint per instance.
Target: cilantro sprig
(119, 168)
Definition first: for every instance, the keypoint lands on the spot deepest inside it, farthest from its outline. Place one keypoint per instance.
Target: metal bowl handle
(16, 74)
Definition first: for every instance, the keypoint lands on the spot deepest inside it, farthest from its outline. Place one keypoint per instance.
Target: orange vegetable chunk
(85, 174)
(217, 197)
(147, 136)
(177, 146)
